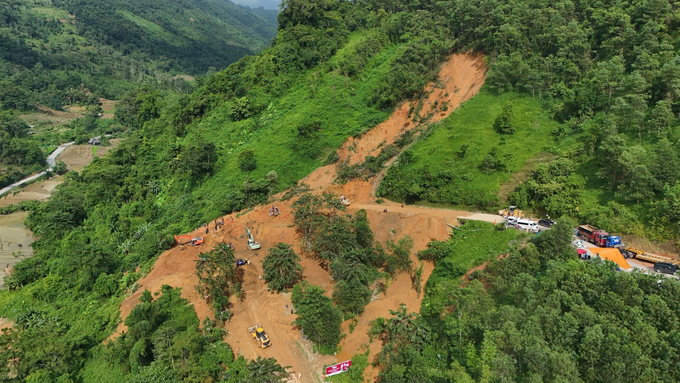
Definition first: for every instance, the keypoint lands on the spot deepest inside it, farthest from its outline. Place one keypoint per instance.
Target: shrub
(246, 161)
(317, 316)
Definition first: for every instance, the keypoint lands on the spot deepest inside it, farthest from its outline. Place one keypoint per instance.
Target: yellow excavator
(260, 336)
(512, 211)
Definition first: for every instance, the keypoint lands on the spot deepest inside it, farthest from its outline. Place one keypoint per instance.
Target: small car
(546, 223)
(666, 268)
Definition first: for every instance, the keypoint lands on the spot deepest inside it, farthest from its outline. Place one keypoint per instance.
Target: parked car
(512, 221)
(527, 225)
(666, 268)
(546, 223)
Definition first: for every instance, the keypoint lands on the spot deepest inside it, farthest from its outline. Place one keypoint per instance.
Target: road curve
(51, 161)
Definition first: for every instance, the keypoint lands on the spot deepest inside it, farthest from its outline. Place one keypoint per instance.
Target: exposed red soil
(461, 77)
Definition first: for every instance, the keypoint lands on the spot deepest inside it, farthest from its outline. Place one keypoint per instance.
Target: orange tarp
(613, 255)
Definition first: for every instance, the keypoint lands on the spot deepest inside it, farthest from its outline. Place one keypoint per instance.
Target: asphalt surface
(51, 161)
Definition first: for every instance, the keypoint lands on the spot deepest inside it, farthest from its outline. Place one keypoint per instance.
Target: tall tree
(216, 271)
(318, 318)
(282, 269)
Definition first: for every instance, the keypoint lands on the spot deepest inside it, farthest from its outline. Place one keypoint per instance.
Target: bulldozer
(194, 241)
(260, 336)
(344, 201)
(251, 241)
(511, 211)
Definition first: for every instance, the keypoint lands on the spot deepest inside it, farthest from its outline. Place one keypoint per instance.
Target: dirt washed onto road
(461, 77)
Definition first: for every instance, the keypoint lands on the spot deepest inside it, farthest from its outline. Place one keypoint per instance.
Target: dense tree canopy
(607, 74)
(282, 269)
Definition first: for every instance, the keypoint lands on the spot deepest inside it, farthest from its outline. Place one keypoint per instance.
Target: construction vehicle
(511, 211)
(251, 241)
(631, 252)
(194, 241)
(344, 201)
(599, 237)
(260, 336)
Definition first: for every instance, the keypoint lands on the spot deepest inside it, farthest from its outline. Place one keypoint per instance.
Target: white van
(527, 225)
(512, 221)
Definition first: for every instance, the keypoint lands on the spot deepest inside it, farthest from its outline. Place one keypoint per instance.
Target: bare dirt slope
(461, 77)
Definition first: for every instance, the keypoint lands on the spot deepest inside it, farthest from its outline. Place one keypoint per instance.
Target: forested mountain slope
(599, 71)
(60, 54)
(607, 72)
(56, 52)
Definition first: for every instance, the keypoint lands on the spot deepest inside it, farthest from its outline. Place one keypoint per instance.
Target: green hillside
(53, 47)
(452, 166)
(244, 134)
(58, 54)
(577, 98)
(54, 50)
(605, 149)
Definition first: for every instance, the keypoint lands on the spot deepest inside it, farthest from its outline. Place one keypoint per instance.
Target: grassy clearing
(436, 170)
(475, 243)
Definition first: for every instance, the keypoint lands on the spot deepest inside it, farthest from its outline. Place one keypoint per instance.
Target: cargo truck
(597, 236)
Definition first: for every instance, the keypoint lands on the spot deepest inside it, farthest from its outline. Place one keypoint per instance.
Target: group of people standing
(219, 223)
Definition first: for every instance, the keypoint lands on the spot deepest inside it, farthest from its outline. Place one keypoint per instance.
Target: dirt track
(462, 76)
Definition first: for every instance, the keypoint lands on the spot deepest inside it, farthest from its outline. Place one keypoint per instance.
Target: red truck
(598, 237)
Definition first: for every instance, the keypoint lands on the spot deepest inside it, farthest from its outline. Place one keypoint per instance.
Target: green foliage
(21, 206)
(475, 243)
(247, 161)
(282, 269)
(120, 212)
(403, 333)
(538, 314)
(197, 158)
(318, 318)
(19, 154)
(372, 165)
(503, 123)
(556, 242)
(355, 374)
(351, 296)
(464, 161)
(399, 259)
(59, 168)
(218, 277)
(346, 245)
(240, 109)
(55, 53)
(553, 187)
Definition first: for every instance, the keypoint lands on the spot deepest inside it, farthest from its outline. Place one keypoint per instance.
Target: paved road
(51, 161)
